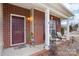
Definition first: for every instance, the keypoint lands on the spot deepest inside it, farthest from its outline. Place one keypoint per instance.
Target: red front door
(39, 19)
(17, 30)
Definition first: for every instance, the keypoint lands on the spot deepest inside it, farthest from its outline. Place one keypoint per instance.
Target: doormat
(20, 46)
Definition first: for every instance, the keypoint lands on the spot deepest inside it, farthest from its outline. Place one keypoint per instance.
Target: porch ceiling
(56, 9)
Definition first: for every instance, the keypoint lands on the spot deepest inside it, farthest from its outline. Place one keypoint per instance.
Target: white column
(32, 17)
(47, 18)
(32, 23)
(78, 27)
(67, 29)
(1, 28)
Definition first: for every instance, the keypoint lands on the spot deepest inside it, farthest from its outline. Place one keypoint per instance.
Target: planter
(29, 41)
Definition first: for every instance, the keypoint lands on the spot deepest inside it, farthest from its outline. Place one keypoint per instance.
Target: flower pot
(30, 42)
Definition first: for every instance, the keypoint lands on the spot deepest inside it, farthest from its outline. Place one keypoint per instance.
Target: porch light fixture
(29, 18)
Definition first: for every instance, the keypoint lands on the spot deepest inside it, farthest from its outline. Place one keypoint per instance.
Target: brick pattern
(11, 9)
(58, 23)
(39, 23)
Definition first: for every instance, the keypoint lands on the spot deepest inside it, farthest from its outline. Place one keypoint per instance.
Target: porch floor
(25, 51)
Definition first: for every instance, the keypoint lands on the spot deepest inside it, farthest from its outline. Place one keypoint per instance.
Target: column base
(1, 48)
(47, 47)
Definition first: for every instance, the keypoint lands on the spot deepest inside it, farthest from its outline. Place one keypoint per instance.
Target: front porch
(59, 48)
(41, 23)
(22, 51)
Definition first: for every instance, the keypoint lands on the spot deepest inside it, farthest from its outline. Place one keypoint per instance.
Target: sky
(73, 7)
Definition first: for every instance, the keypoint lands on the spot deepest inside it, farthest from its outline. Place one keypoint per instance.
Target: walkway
(24, 51)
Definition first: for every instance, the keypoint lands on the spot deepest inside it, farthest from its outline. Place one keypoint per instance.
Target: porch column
(32, 23)
(67, 29)
(1, 28)
(78, 27)
(47, 18)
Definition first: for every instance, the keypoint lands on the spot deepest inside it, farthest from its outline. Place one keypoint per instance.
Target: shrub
(62, 30)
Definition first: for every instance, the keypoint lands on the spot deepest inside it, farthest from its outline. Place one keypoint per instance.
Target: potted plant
(29, 37)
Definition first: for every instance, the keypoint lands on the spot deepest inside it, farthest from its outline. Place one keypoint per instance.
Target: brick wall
(58, 23)
(11, 9)
(39, 18)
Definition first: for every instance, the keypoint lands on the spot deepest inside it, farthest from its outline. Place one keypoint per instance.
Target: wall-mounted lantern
(29, 18)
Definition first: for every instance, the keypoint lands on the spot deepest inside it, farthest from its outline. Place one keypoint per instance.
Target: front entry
(39, 24)
(17, 30)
